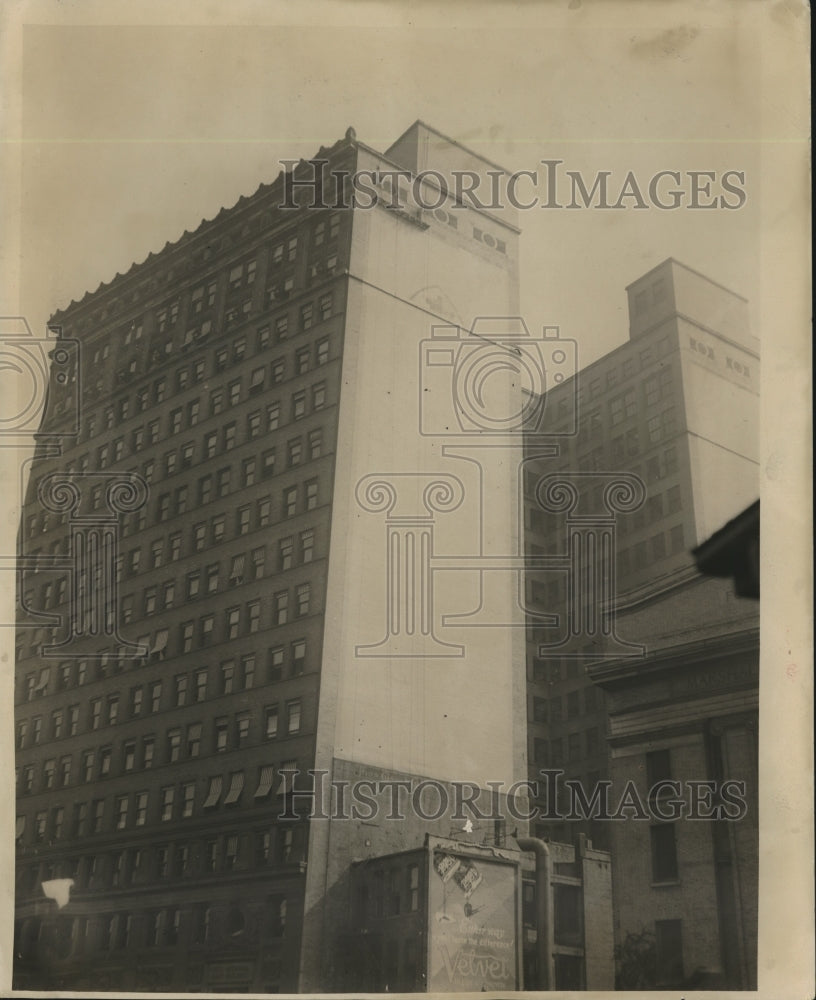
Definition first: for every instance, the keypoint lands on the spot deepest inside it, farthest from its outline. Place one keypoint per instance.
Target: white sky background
(132, 134)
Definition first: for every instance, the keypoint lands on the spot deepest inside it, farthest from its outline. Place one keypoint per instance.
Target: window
(285, 550)
(122, 803)
(298, 405)
(303, 360)
(241, 728)
(168, 796)
(293, 711)
(243, 520)
(315, 444)
(253, 616)
(221, 734)
(276, 663)
(218, 525)
(194, 739)
(290, 498)
(664, 852)
(677, 540)
(669, 941)
(294, 452)
(206, 626)
(326, 306)
(306, 546)
(233, 623)
(96, 719)
(173, 745)
(148, 751)
(281, 607)
(258, 563)
(248, 671)
(227, 676)
(155, 696)
(264, 512)
(271, 725)
(322, 351)
(311, 495)
(113, 710)
(303, 599)
(201, 685)
(187, 799)
(298, 657)
(175, 546)
(230, 853)
(65, 772)
(98, 816)
(129, 755)
(49, 774)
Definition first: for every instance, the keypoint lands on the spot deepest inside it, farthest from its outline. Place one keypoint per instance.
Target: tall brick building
(675, 408)
(204, 578)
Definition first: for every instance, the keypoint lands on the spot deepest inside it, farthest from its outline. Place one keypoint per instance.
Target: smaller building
(454, 917)
(683, 735)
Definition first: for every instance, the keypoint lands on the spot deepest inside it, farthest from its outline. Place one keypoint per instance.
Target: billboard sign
(472, 923)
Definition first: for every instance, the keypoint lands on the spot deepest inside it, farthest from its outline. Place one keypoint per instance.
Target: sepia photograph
(391, 393)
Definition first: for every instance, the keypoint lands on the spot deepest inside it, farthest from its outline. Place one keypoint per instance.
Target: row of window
(638, 557)
(234, 674)
(294, 500)
(576, 746)
(592, 386)
(120, 930)
(141, 808)
(236, 621)
(556, 708)
(244, 567)
(179, 744)
(234, 287)
(311, 355)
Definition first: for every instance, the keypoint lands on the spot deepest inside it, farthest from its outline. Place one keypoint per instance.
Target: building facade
(683, 728)
(670, 418)
(225, 558)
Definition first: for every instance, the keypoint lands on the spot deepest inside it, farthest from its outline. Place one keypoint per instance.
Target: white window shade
(235, 788)
(214, 792)
(265, 781)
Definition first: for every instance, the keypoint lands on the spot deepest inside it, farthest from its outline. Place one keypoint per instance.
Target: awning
(42, 683)
(19, 829)
(265, 781)
(161, 641)
(235, 788)
(214, 792)
(237, 570)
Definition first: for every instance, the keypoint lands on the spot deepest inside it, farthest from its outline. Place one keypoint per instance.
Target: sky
(133, 134)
